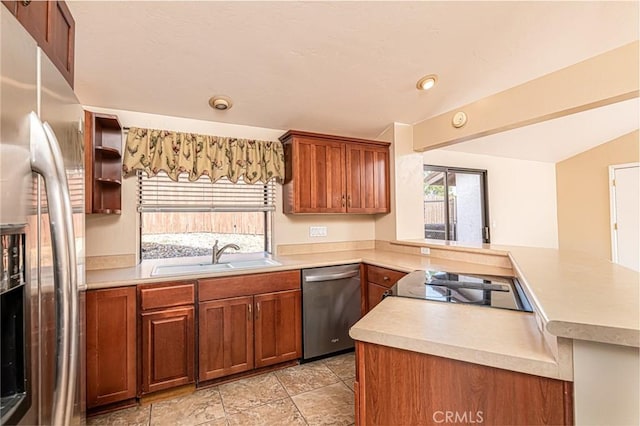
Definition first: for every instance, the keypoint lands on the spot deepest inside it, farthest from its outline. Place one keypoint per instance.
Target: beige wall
(583, 195)
(385, 224)
(522, 196)
(601, 80)
(405, 219)
(117, 235)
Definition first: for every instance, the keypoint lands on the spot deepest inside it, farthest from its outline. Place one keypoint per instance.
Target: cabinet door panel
(482, 394)
(167, 348)
(225, 337)
(111, 345)
(278, 328)
(381, 178)
(62, 39)
(35, 18)
(355, 190)
(12, 5)
(374, 295)
(367, 179)
(319, 171)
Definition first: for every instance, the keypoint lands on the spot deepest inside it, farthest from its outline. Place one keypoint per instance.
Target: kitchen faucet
(215, 256)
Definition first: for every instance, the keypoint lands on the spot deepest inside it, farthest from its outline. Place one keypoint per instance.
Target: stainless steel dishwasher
(330, 306)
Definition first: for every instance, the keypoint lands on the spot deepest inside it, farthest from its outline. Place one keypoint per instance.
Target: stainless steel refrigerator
(42, 236)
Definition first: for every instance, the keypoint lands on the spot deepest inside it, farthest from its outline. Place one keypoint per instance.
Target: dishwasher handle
(330, 277)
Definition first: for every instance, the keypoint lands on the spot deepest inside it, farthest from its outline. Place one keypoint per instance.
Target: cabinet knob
(343, 201)
(385, 278)
(249, 312)
(26, 2)
(349, 201)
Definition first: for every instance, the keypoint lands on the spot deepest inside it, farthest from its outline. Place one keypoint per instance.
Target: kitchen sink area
(204, 267)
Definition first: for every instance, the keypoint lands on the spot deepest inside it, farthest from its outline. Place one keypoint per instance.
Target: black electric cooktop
(441, 286)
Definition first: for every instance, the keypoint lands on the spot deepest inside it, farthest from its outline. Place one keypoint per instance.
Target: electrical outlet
(317, 231)
(425, 250)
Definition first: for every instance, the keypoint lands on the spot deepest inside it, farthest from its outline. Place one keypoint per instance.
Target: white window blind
(161, 194)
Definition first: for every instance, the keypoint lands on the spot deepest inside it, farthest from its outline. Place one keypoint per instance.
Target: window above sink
(184, 219)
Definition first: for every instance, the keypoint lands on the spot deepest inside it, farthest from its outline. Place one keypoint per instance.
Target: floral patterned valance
(152, 150)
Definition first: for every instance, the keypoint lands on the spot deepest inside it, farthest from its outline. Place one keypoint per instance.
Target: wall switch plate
(317, 231)
(425, 250)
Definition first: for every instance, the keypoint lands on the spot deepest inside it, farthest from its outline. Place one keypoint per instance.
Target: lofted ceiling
(346, 68)
(556, 140)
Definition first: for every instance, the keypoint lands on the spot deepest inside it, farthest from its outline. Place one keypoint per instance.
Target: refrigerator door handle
(45, 163)
(72, 287)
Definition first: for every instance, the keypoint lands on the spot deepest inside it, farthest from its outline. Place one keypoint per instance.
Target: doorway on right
(455, 204)
(624, 187)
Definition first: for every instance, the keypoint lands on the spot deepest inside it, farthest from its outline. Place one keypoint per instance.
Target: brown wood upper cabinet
(111, 346)
(103, 164)
(334, 174)
(167, 344)
(248, 321)
(50, 23)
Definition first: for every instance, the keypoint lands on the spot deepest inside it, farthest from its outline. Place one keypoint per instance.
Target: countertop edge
(556, 327)
(460, 353)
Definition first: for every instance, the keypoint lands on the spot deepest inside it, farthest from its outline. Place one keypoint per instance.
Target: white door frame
(612, 207)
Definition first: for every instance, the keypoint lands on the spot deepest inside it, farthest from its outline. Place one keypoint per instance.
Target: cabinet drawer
(247, 285)
(166, 295)
(382, 276)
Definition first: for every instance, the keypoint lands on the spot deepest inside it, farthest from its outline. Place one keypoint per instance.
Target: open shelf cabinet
(103, 163)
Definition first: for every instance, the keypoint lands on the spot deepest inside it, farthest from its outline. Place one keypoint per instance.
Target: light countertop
(578, 296)
(494, 337)
(141, 274)
(575, 296)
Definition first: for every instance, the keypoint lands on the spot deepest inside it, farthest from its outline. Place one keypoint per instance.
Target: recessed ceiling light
(220, 102)
(427, 82)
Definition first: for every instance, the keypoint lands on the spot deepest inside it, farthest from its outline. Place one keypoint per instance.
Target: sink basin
(257, 263)
(203, 268)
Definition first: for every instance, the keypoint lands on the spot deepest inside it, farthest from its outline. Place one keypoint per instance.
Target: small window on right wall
(455, 204)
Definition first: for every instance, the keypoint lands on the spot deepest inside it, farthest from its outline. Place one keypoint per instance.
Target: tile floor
(317, 393)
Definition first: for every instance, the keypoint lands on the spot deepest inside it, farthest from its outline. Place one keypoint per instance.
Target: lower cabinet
(142, 339)
(167, 335)
(430, 390)
(225, 337)
(251, 321)
(278, 327)
(378, 281)
(111, 346)
(167, 348)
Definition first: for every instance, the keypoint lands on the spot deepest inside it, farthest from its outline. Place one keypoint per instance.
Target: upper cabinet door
(61, 45)
(34, 16)
(367, 179)
(319, 168)
(51, 25)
